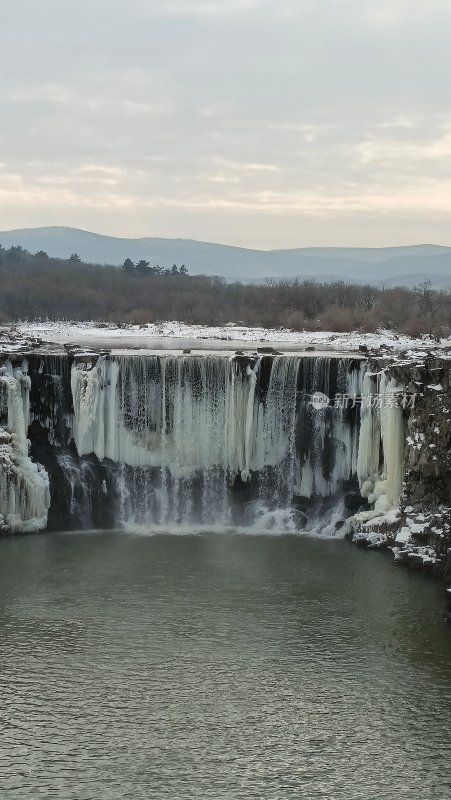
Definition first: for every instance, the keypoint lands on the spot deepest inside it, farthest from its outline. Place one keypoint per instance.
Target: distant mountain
(386, 265)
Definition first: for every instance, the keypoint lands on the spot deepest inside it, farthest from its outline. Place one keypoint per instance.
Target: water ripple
(222, 667)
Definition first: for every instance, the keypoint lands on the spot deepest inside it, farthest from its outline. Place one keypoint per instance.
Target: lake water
(219, 666)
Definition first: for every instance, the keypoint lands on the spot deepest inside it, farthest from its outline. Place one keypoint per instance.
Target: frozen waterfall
(176, 441)
(185, 429)
(24, 485)
(380, 464)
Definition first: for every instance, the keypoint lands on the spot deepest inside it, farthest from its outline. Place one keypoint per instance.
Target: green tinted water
(219, 666)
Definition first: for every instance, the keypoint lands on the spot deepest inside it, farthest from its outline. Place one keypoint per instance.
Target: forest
(36, 287)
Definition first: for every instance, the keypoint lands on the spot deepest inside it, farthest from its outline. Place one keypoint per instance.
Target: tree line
(36, 287)
(143, 267)
(16, 254)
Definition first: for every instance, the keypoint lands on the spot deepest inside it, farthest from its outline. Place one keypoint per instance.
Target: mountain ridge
(403, 263)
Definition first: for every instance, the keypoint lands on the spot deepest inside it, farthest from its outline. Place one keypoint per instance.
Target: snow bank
(83, 332)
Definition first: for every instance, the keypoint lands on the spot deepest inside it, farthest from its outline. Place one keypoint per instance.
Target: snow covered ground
(86, 333)
(14, 341)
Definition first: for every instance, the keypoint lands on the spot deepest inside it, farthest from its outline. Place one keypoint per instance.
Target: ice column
(380, 464)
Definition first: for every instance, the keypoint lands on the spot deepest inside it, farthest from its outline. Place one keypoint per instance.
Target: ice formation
(198, 439)
(202, 422)
(380, 462)
(24, 485)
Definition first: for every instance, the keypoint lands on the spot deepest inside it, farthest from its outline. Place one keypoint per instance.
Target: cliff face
(419, 531)
(426, 504)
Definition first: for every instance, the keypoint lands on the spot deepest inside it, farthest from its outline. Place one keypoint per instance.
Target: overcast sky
(265, 123)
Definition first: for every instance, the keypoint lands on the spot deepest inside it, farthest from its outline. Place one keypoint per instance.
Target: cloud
(210, 8)
(230, 117)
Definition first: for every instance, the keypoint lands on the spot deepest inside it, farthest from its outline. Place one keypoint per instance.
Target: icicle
(393, 439)
(370, 438)
(380, 465)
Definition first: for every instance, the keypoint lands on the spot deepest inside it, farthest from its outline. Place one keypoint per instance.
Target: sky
(250, 122)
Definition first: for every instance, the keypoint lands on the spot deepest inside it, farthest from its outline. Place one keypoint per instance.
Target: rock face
(426, 505)
(419, 531)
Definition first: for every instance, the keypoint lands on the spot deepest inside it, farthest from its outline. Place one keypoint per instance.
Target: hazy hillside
(36, 287)
(391, 265)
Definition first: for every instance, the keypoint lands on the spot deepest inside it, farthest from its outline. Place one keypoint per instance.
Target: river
(219, 666)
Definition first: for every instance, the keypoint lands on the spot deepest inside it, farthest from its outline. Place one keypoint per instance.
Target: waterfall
(328, 434)
(184, 440)
(184, 430)
(79, 486)
(177, 412)
(24, 485)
